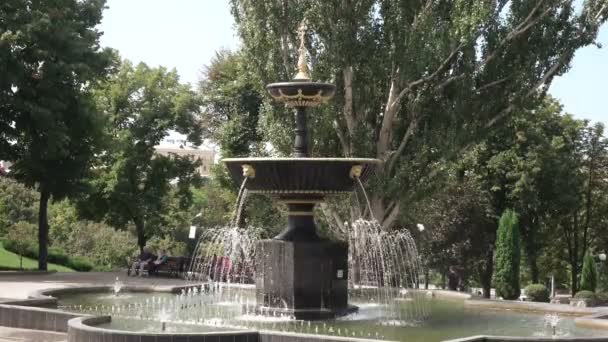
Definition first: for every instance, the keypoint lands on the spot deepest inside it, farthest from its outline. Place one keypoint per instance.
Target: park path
(24, 335)
(20, 286)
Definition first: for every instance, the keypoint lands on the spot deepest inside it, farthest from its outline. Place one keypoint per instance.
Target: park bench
(174, 267)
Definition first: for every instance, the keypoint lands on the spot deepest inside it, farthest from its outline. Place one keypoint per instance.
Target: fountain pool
(199, 312)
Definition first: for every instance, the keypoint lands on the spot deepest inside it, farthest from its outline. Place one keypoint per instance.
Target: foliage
(173, 248)
(18, 203)
(80, 264)
(409, 75)
(11, 261)
(49, 124)
(232, 104)
(602, 298)
(55, 255)
(506, 275)
(588, 274)
(101, 244)
(579, 211)
(459, 229)
(584, 294)
(20, 239)
(132, 182)
(537, 293)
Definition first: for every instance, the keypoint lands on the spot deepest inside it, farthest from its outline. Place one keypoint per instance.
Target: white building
(176, 144)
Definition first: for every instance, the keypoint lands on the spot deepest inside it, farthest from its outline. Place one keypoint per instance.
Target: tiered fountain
(297, 272)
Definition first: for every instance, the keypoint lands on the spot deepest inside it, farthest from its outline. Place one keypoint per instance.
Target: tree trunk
(43, 229)
(574, 278)
(141, 236)
(486, 275)
(426, 279)
(534, 272)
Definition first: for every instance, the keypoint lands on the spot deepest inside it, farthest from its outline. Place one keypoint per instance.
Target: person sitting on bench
(161, 260)
(142, 260)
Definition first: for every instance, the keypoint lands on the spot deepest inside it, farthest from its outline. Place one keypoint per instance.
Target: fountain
(117, 286)
(297, 272)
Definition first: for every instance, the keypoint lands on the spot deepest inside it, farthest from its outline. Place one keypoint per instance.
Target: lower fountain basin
(450, 319)
(299, 176)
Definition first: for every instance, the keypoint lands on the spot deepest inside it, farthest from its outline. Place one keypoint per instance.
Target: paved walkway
(16, 286)
(23, 335)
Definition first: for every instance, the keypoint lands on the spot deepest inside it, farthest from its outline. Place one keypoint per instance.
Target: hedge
(55, 255)
(537, 293)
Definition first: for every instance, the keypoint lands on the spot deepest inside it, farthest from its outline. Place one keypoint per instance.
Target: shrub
(80, 264)
(173, 248)
(537, 293)
(602, 298)
(507, 256)
(588, 274)
(585, 295)
(105, 247)
(58, 256)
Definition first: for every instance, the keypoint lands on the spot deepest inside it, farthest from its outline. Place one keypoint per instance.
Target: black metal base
(306, 279)
(300, 223)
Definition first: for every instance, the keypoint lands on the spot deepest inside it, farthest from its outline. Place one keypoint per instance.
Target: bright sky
(186, 36)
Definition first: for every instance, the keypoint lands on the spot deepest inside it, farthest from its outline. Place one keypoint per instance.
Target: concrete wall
(84, 330)
(27, 317)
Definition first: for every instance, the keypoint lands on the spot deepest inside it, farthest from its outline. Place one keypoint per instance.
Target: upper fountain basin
(314, 176)
(301, 93)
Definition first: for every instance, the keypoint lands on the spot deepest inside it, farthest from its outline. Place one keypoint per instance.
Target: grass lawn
(11, 260)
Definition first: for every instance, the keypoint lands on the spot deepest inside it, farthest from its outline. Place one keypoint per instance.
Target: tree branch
(406, 137)
(541, 82)
(391, 217)
(348, 105)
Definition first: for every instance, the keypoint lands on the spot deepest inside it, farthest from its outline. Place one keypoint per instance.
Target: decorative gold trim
(248, 171)
(297, 192)
(300, 213)
(355, 171)
(296, 201)
(301, 100)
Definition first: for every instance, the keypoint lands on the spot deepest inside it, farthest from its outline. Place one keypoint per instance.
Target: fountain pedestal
(304, 279)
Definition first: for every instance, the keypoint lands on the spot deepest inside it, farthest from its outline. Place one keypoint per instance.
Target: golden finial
(303, 74)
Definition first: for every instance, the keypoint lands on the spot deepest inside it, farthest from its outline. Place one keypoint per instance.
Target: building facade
(205, 156)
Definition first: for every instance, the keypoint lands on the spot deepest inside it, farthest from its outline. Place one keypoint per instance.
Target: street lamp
(192, 233)
(602, 256)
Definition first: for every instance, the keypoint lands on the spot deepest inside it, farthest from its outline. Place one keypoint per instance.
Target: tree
(22, 238)
(579, 213)
(133, 183)
(49, 126)
(411, 73)
(17, 203)
(588, 274)
(507, 256)
(232, 104)
(459, 229)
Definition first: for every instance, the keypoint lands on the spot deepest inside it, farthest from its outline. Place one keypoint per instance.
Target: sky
(184, 34)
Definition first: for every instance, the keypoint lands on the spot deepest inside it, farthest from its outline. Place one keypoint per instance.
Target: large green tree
(417, 80)
(49, 126)
(133, 183)
(233, 103)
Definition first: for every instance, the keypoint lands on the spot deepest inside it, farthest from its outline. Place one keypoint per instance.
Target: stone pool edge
(34, 313)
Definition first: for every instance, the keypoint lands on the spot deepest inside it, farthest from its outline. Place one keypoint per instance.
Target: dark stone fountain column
(300, 146)
(297, 272)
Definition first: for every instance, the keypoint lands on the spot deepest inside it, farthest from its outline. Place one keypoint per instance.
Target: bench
(174, 267)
